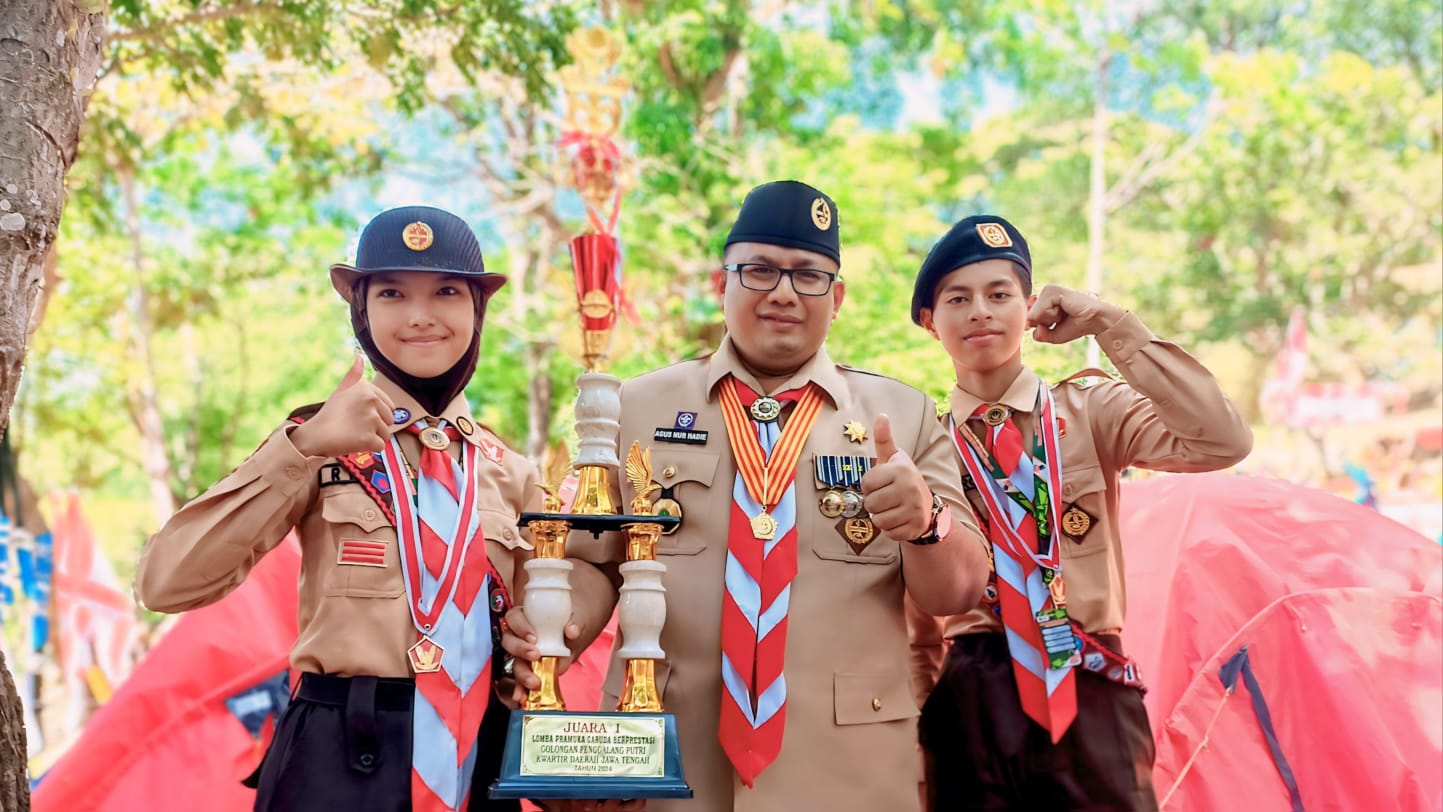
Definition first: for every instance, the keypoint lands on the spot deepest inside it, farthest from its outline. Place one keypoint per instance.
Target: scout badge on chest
(842, 476)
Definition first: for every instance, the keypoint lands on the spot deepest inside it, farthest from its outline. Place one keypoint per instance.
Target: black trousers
(345, 744)
(984, 753)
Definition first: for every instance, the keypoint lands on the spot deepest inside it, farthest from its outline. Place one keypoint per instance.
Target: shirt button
(876, 703)
(368, 514)
(669, 471)
(1066, 490)
(1117, 344)
(506, 534)
(293, 472)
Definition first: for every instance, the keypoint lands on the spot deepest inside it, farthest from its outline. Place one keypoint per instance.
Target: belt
(391, 693)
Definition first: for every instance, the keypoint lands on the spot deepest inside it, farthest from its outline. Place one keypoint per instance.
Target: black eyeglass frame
(738, 267)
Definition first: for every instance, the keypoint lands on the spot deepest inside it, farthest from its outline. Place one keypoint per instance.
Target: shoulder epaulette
(1079, 378)
(305, 412)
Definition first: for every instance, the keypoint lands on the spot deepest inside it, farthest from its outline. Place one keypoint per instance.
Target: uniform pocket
(830, 534)
(685, 477)
(861, 699)
(364, 556)
(1083, 506)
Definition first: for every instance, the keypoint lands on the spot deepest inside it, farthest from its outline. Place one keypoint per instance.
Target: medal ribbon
(445, 572)
(753, 464)
(758, 577)
(1026, 559)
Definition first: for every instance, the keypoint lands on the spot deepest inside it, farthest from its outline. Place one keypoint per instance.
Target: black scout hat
(791, 214)
(416, 238)
(974, 239)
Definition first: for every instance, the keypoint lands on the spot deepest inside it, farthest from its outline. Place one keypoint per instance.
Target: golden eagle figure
(638, 472)
(558, 465)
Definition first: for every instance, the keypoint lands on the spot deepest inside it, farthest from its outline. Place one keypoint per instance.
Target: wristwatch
(941, 523)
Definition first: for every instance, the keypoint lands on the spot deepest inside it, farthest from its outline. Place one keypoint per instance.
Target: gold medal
(764, 527)
(765, 409)
(425, 656)
(995, 415)
(435, 438)
(832, 504)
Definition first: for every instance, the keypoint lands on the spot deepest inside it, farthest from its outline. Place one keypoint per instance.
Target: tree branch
(158, 30)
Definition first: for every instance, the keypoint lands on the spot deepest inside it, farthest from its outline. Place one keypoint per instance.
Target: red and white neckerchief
(1023, 519)
(761, 564)
(443, 560)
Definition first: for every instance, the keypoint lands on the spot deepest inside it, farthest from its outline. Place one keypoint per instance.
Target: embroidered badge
(492, 450)
(685, 420)
(362, 552)
(380, 482)
(994, 235)
(856, 432)
(1061, 427)
(363, 459)
(334, 474)
(857, 532)
(400, 415)
(1076, 523)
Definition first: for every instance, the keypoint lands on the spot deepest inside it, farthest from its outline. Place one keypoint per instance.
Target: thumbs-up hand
(896, 495)
(356, 417)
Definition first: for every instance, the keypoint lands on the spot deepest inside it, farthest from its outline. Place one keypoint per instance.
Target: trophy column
(547, 599)
(641, 616)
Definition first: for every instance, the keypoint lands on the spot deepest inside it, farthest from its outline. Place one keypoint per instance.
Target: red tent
(167, 739)
(1324, 617)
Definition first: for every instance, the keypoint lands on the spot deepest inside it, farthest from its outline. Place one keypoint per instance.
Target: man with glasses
(814, 498)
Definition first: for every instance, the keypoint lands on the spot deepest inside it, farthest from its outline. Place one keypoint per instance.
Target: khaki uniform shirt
(850, 740)
(1169, 415)
(354, 619)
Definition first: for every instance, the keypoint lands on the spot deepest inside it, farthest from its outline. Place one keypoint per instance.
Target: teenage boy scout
(401, 451)
(1049, 715)
(785, 634)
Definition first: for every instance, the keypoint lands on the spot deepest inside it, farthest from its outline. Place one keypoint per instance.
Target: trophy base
(598, 523)
(560, 754)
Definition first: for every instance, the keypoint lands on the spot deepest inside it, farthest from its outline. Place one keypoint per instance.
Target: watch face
(944, 521)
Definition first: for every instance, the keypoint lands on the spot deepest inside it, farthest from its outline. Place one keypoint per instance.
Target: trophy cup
(552, 752)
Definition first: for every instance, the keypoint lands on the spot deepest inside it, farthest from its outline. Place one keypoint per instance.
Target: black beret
(791, 214)
(977, 238)
(416, 238)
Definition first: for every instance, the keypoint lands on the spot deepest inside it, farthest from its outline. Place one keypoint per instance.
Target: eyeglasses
(805, 281)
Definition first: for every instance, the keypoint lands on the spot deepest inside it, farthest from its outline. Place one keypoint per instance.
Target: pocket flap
(353, 506)
(865, 698)
(1079, 482)
(672, 465)
(500, 527)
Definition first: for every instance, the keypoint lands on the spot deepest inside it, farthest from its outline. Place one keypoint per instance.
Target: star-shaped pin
(855, 431)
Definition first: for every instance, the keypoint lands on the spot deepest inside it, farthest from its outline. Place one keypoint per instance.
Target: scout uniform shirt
(850, 740)
(354, 618)
(1170, 415)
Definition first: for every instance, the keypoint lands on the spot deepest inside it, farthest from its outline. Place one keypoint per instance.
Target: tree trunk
(1097, 194)
(50, 54)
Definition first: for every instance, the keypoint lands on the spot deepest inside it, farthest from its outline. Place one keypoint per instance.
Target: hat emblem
(821, 214)
(418, 236)
(994, 235)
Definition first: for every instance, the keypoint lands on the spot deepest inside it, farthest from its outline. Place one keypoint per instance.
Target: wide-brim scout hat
(791, 214)
(416, 238)
(974, 239)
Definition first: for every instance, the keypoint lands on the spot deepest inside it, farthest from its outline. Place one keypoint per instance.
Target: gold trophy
(552, 752)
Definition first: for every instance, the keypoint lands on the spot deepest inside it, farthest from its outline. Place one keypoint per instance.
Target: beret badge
(821, 214)
(418, 236)
(994, 235)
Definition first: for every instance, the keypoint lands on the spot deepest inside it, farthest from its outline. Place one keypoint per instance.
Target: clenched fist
(1061, 315)
(356, 417)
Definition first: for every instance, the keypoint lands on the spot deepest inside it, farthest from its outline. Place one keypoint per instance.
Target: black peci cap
(416, 238)
(791, 214)
(974, 239)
